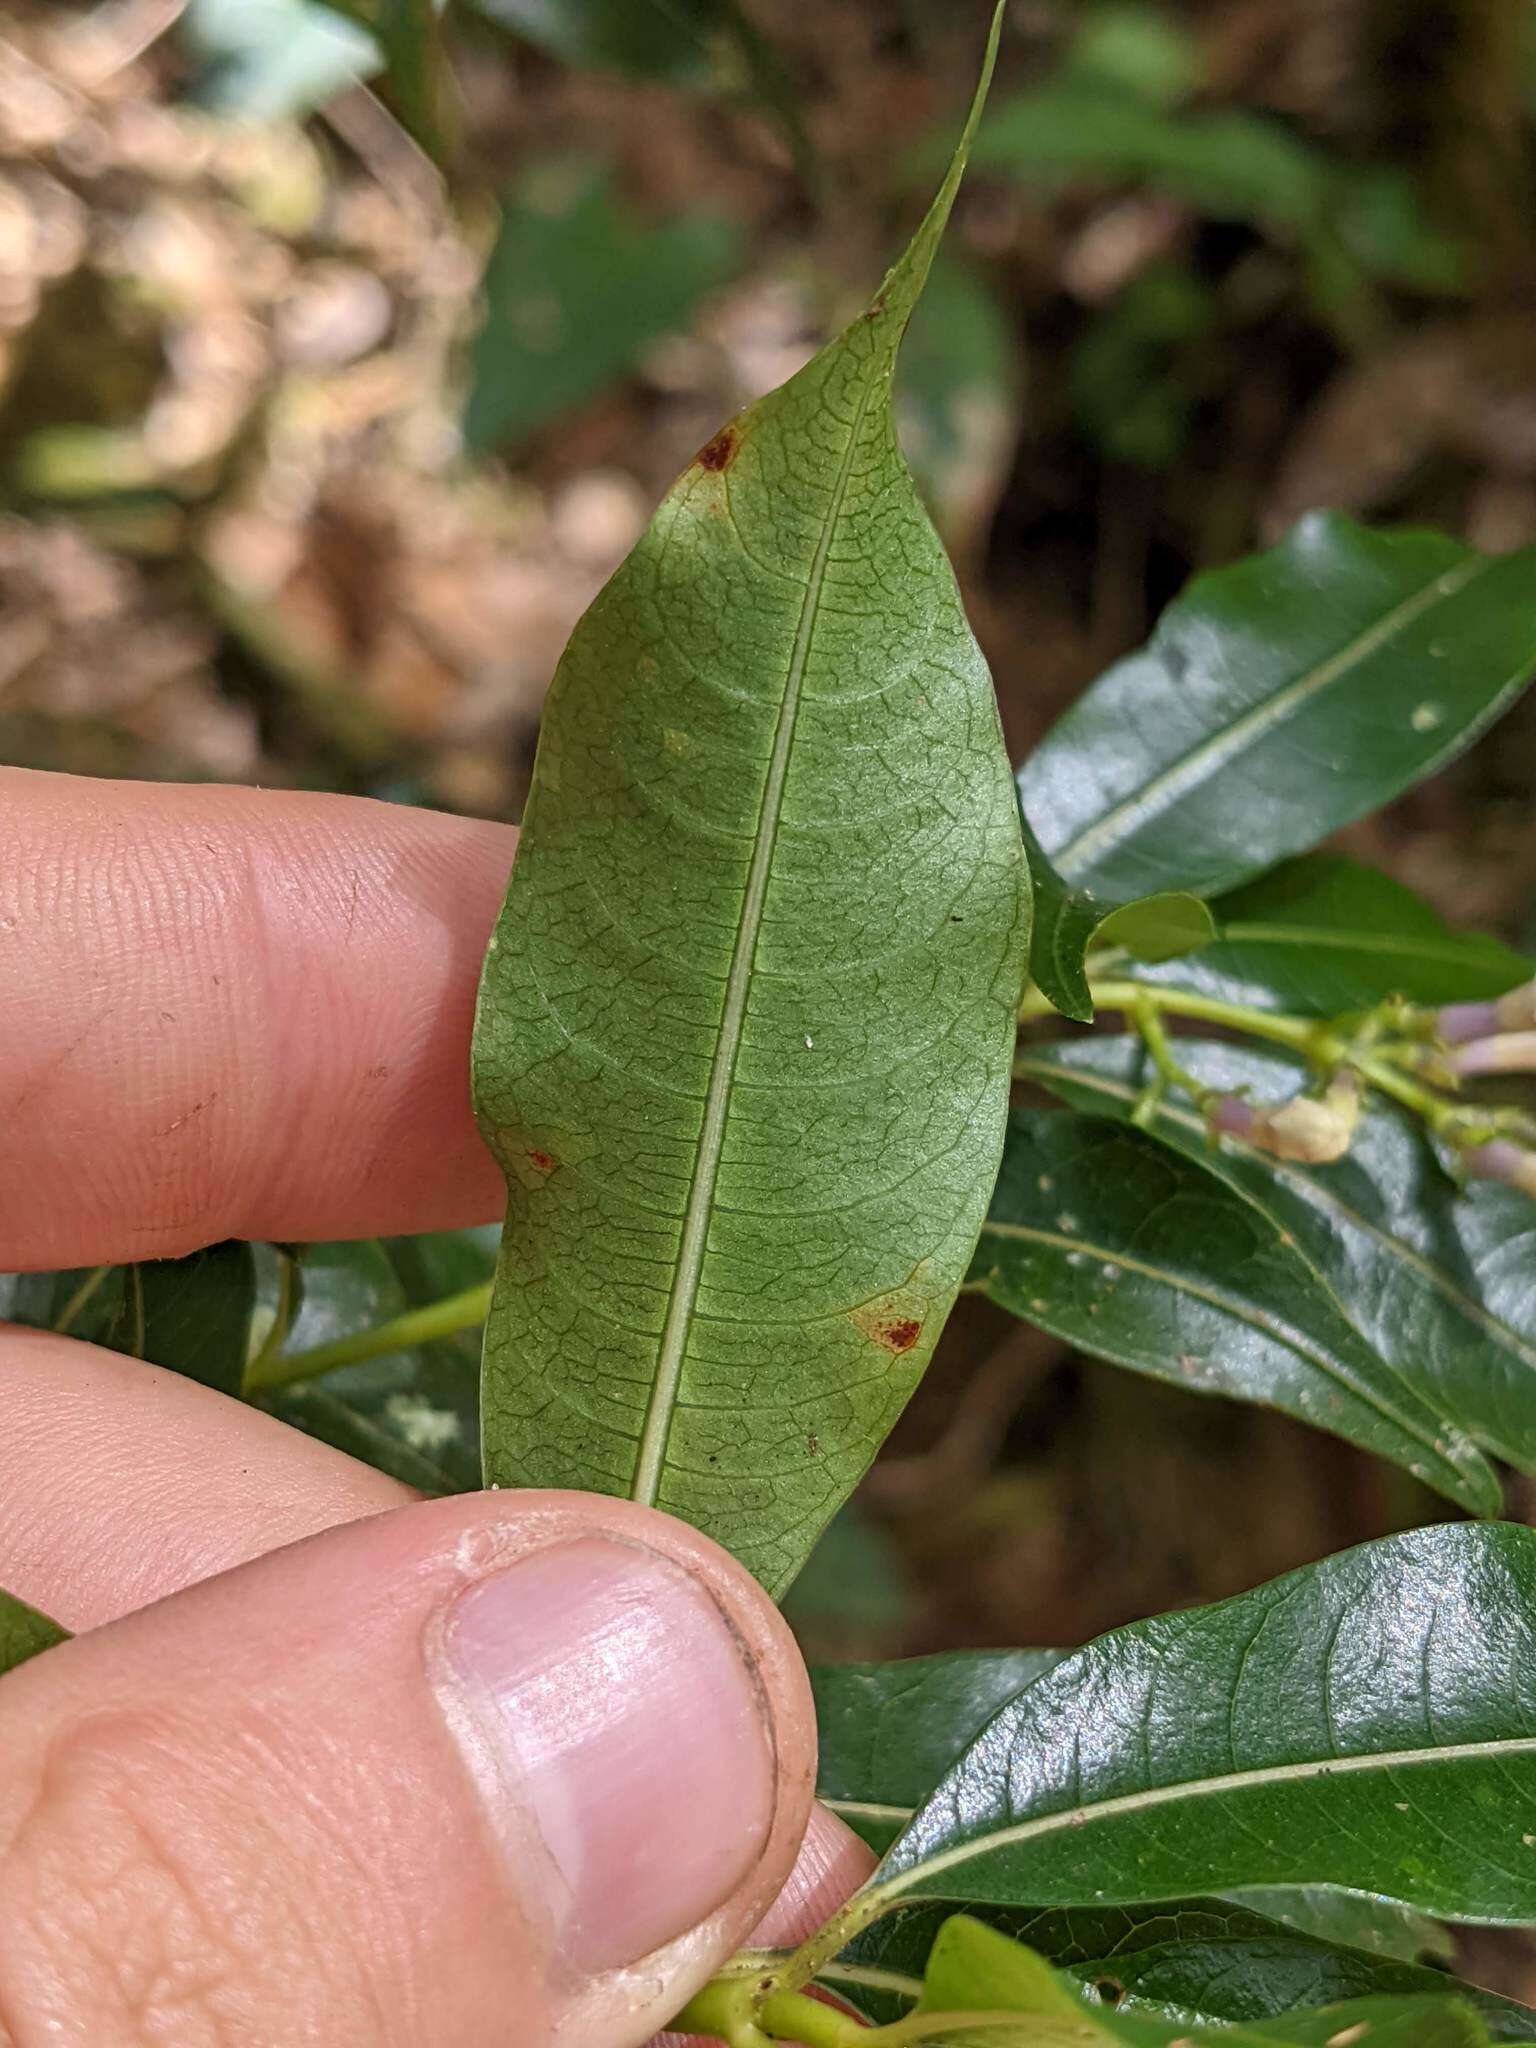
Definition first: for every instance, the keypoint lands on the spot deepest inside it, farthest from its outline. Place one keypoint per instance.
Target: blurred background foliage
(345, 350)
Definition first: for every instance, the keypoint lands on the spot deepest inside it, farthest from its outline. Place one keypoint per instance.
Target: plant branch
(445, 1318)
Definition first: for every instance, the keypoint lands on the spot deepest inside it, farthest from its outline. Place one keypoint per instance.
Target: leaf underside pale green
(1068, 921)
(24, 1632)
(1323, 935)
(1439, 1279)
(1278, 700)
(744, 1030)
(1105, 1237)
(1369, 1722)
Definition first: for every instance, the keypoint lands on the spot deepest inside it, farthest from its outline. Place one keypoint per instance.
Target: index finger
(235, 1013)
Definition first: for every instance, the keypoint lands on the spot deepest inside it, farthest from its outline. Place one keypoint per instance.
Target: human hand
(471, 1771)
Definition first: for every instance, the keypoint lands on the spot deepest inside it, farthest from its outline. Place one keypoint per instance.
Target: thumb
(503, 1767)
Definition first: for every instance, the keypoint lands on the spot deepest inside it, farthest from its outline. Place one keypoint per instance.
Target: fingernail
(618, 1732)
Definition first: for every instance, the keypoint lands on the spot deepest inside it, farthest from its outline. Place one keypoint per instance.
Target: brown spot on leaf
(898, 1336)
(544, 1161)
(719, 453)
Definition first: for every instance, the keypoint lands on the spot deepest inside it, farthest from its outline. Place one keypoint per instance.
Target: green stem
(445, 1318)
(1301, 1034)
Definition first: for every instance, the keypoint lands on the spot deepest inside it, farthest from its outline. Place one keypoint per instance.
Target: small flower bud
(1311, 1129)
(1510, 1052)
(1501, 1160)
(1460, 1021)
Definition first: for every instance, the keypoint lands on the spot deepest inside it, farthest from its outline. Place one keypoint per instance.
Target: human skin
(327, 1765)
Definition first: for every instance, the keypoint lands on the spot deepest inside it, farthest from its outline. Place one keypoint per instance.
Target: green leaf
(889, 1732)
(1136, 374)
(745, 1028)
(1323, 934)
(576, 289)
(1353, 1920)
(1278, 700)
(1364, 1722)
(412, 1413)
(1103, 1236)
(975, 1968)
(1069, 921)
(192, 1315)
(1207, 1961)
(24, 1632)
(1438, 1279)
(683, 42)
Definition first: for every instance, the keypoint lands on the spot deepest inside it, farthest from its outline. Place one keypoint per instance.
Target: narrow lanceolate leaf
(1323, 935)
(1365, 1722)
(1210, 1961)
(744, 1031)
(1278, 700)
(24, 1632)
(1103, 1236)
(1440, 1280)
(889, 1732)
(1069, 921)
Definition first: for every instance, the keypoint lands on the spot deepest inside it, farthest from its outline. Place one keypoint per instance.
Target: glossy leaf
(24, 1632)
(1354, 1920)
(1278, 700)
(1323, 935)
(1364, 1722)
(975, 1968)
(192, 1315)
(1440, 1280)
(1069, 921)
(1202, 1960)
(412, 1413)
(889, 1732)
(745, 1026)
(576, 289)
(1104, 1237)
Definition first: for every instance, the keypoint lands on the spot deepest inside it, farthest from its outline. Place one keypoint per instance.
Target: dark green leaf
(1442, 1281)
(1366, 1721)
(413, 1413)
(1353, 1920)
(1201, 1960)
(746, 1021)
(1278, 700)
(24, 1632)
(192, 1315)
(577, 288)
(1323, 935)
(1069, 921)
(684, 42)
(1103, 1236)
(1136, 372)
(889, 1732)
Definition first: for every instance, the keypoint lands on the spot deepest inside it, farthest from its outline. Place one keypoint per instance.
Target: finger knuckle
(124, 1924)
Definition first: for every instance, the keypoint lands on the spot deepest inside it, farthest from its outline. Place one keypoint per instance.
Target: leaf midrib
(651, 1458)
(1313, 1191)
(1270, 1326)
(1163, 789)
(1304, 1772)
(1417, 947)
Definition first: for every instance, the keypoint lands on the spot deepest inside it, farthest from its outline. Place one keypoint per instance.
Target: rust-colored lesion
(719, 453)
(542, 1162)
(896, 1321)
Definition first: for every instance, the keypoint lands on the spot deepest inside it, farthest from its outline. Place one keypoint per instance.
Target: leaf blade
(1258, 672)
(1437, 1277)
(1323, 1729)
(24, 1633)
(687, 1192)
(1165, 1270)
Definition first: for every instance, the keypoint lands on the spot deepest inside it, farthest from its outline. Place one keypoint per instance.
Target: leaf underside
(744, 1031)
(24, 1632)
